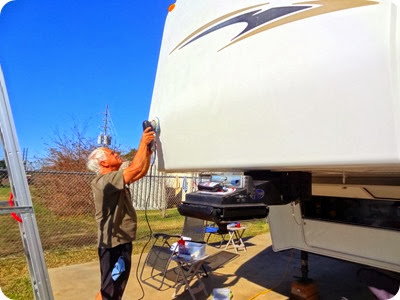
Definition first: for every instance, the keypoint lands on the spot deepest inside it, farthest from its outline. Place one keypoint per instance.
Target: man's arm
(141, 162)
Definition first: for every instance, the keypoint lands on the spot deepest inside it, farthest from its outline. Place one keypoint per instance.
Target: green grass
(14, 278)
(4, 192)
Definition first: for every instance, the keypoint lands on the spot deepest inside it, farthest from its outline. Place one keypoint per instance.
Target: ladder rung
(16, 209)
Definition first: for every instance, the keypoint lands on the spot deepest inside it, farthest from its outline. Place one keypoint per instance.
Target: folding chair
(162, 251)
(194, 228)
(158, 259)
(214, 229)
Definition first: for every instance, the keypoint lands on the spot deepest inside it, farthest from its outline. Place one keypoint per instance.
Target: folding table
(189, 270)
(235, 238)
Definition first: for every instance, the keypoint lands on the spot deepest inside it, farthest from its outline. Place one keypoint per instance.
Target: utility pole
(25, 156)
(104, 138)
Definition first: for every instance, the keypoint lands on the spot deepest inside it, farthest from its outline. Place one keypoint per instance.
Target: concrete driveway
(246, 275)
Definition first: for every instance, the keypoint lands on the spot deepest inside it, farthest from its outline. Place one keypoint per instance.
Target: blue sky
(64, 61)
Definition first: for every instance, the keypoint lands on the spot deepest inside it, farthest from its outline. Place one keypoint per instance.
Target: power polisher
(155, 126)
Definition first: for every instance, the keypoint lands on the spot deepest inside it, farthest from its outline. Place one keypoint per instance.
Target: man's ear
(104, 163)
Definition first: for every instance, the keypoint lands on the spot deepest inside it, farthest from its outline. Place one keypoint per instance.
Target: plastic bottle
(181, 247)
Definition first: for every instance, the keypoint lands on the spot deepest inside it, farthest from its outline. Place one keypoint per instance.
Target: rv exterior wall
(318, 90)
(369, 246)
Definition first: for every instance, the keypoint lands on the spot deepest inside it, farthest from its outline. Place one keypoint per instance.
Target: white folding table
(235, 238)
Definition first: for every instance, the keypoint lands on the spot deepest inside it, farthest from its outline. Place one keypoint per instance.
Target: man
(115, 215)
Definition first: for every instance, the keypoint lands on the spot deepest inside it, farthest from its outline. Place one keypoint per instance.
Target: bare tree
(69, 150)
(65, 190)
(129, 155)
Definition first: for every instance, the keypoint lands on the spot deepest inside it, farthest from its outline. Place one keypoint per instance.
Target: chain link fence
(64, 212)
(64, 208)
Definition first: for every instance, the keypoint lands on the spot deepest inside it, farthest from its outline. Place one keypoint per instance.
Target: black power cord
(148, 224)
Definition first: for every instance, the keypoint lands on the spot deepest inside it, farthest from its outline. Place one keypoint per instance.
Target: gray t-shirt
(115, 215)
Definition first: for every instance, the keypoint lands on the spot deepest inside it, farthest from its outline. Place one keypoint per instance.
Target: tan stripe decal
(327, 6)
(214, 22)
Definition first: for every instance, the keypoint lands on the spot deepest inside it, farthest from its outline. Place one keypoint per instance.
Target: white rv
(297, 94)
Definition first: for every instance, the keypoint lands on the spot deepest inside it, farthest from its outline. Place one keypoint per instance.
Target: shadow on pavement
(277, 271)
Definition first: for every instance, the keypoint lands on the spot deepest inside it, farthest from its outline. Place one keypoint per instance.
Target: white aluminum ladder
(23, 202)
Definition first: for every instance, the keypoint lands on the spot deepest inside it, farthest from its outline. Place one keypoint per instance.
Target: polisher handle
(146, 124)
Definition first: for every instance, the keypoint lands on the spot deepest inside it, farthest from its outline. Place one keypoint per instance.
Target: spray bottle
(181, 247)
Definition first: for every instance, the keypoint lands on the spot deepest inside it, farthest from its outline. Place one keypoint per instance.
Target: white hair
(98, 155)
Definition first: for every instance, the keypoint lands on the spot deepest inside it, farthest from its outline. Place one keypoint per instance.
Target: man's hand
(147, 137)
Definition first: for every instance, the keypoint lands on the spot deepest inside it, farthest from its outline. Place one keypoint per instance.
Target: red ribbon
(11, 203)
(10, 200)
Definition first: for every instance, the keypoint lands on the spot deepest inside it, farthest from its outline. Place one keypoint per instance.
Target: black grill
(220, 207)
